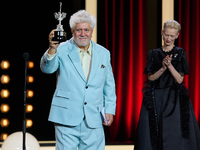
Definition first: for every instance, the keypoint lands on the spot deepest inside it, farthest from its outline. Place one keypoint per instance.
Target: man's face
(82, 34)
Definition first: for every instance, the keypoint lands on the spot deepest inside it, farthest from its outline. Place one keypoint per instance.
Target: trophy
(59, 34)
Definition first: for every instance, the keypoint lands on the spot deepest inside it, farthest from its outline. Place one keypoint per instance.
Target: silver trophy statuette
(59, 34)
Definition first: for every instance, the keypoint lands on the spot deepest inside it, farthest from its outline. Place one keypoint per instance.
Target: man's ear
(72, 31)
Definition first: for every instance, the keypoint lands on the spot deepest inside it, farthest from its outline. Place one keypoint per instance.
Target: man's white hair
(82, 16)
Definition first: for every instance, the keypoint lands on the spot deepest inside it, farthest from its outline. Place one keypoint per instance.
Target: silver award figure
(59, 34)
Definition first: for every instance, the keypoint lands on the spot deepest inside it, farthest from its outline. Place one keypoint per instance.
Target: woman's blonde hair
(172, 24)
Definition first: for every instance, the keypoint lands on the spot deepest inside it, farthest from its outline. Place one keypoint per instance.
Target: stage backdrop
(188, 15)
(125, 37)
(125, 25)
(122, 28)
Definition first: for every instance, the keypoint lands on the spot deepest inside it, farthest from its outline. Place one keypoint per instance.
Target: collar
(89, 50)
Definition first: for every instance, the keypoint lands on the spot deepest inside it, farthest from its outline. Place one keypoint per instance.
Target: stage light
(30, 79)
(5, 108)
(29, 123)
(4, 122)
(29, 93)
(5, 64)
(30, 65)
(5, 79)
(29, 108)
(4, 136)
(5, 93)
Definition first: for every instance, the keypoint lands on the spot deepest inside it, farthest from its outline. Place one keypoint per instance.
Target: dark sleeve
(148, 68)
(184, 62)
(182, 66)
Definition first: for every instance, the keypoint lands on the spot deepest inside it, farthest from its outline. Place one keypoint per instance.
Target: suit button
(85, 103)
(86, 87)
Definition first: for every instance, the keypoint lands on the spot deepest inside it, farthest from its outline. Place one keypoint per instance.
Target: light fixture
(5, 108)
(29, 108)
(29, 123)
(30, 64)
(5, 64)
(4, 136)
(14, 142)
(29, 93)
(30, 79)
(4, 122)
(5, 79)
(5, 93)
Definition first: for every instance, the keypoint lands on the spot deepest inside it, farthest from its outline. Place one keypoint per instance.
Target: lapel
(95, 61)
(75, 59)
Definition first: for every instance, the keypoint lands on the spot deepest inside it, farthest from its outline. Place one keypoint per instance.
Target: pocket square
(102, 66)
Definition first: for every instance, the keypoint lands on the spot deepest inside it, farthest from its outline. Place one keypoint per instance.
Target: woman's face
(169, 36)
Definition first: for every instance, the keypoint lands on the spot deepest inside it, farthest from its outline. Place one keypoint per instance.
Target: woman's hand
(165, 64)
(167, 60)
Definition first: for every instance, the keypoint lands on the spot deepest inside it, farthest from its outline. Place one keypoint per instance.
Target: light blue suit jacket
(75, 97)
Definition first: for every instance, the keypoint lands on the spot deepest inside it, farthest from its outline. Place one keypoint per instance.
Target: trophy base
(59, 36)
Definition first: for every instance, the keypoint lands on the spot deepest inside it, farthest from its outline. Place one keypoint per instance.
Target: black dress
(167, 120)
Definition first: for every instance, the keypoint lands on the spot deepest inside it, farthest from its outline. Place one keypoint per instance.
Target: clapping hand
(167, 61)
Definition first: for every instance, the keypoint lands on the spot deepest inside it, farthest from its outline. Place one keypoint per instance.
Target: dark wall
(25, 27)
(154, 24)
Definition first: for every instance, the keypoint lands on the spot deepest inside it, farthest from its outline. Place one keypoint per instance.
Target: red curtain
(125, 26)
(125, 37)
(189, 18)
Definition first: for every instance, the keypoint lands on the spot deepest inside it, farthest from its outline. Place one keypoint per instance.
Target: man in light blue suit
(85, 87)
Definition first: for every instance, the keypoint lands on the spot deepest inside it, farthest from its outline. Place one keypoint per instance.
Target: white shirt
(85, 56)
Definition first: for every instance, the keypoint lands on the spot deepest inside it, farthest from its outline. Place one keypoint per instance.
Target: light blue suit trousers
(81, 137)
